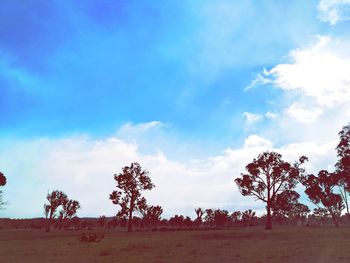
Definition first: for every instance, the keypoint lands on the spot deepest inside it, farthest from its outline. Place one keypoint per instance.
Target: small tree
(343, 165)
(249, 217)
(130, 183)
(268, 175)
(220, 217)
(69, 209)
(199, 212)
(236, 217)
(151, 215)
(287, 206)
(320, 190)
(3, 182)
(55, 199)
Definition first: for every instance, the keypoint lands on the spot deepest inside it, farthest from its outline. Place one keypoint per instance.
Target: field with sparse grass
(282, 244)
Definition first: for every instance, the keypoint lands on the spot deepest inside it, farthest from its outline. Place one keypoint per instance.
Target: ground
(254, 244)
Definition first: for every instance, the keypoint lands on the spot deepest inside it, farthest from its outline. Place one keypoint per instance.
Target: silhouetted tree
(287, 206)
(199, 219)
(151, 215)
(220, 217)
(249, 217)
(343, 165)
(130, 183)
(176, 221)
(268, 175)
(236, 217)
(209, 217)
(55, 199)
(320, 190)
(2, 183)
(69, 209)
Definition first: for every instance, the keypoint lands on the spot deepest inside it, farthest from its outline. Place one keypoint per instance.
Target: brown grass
(282, 244)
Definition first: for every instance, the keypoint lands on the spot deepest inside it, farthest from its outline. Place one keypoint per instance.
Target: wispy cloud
(334, 11)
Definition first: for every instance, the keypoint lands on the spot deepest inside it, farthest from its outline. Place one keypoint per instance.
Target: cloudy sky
(192, 90)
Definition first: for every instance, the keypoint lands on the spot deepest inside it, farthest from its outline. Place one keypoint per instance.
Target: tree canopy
(130, 183)
(268, 175)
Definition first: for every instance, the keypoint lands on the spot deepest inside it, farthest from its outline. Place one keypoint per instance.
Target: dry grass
(282, 244)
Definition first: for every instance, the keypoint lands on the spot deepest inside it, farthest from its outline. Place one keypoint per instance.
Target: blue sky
(170, 77)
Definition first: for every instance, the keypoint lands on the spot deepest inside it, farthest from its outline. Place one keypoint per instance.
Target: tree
(249, 217)
(220, 217)
(55, 199)
(287, 206)
(320, 190)
(199, 212)
(268, 175)
(69, 209)
(151, 215)
(3, 182)
(209, 217)
(130, 182)
(236, 217)
(343, 165)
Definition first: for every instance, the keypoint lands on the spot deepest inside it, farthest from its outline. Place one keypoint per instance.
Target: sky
(192, 90)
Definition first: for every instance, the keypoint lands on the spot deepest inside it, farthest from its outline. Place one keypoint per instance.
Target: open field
(282, 244)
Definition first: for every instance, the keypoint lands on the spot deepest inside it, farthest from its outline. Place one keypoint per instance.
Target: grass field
(282, 244)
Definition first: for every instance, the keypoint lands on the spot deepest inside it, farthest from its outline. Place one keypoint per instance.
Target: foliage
(249, 217)
(151, 215)
(69, 209)
(287, 206)
(3, 182)
(320, 190)
(130, 182)
(267, 176)
(343, 164)
(55, 199)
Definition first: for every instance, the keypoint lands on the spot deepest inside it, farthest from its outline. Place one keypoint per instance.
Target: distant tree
(320, 190)
(55, 199)
(199, 212)
(220, 217)
(236, 217)
(188, 222)
(3, 182)
(286, 206)
(130, 183)
(267, 176)
(151, 215)
(176, 221)
(102, 221)
(69, 209)
(249, 217)
(343, 165)
(209, 217)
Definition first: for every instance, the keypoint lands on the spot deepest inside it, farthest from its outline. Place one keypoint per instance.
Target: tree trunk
(130, 215)
(268, 217)
(48, 225)
(346, 202)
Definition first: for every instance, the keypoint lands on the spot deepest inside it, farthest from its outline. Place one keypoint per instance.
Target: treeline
(268, 178)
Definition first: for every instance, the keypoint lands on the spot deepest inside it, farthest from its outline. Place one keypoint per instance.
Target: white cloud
(334, 11)
(255, 141)
(83, 167)
(252, 118)
(271, 115)
(318, 76)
